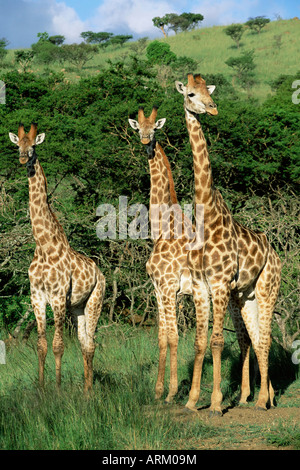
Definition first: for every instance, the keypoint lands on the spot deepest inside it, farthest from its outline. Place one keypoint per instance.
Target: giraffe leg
(202, 305)
(38, 301)
(58, 305)
(172, 333)
(244, 343)
(163, 346)
(168, 337)
(267, 288)
(220, 297)
(87, 324)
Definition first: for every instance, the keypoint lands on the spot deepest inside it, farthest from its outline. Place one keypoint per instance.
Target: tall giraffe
(235, 265)
(167, 265)
(58, 275)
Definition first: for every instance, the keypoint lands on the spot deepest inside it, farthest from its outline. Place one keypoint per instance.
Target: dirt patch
(241, 427)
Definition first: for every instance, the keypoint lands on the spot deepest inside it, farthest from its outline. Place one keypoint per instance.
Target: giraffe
(167, 264)
(235, 266)
(59, 276)
(169, 270)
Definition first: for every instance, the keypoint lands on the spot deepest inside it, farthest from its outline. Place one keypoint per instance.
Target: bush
(160, 53)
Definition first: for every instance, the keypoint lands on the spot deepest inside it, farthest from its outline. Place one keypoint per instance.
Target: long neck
(204, 191)
(162, 189)
(46, 229)
(164, 209)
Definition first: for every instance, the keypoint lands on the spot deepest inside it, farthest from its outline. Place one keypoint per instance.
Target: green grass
(211, 47)
(120, 413)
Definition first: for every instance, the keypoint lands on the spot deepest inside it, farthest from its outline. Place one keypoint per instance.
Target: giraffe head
(147, 126)
(196, 94)
(27, 142)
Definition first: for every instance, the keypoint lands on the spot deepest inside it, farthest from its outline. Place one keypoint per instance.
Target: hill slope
(276, 50)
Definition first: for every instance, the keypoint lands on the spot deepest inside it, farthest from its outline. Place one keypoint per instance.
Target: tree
(183, 22)
(192, 20)
(96, 38)
(57, 40)
(43, 36)
(177, 22)
(244, 69)
(24, 58)
(78, 54)
(120, 39)
(235, 31)
(160, 53)
(257, 23)
(3, 51)
(160, 22)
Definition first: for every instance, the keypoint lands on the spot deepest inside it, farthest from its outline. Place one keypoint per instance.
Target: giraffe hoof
(190, 409)
(214, 413)
(261, 408)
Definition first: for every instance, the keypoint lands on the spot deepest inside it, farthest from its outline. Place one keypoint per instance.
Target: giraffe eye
(190, 95)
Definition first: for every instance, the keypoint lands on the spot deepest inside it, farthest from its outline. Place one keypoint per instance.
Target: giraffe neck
(162, 184)
(162, 195)
(204, 191)
(46, 229)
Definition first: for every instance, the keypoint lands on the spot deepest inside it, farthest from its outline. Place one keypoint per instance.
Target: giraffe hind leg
(253, 312)
(88, 317)
(167, 337)
(38, 301)
(244, 343)
(267, 289)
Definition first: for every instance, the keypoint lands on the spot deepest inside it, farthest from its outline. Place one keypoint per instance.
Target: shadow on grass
(282, 373)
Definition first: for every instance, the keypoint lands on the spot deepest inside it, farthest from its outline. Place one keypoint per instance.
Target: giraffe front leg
(201, 301)
(58, 305)
(172, 334)
(38, 301)
(244, 343)
(220, 296)
(167, 336)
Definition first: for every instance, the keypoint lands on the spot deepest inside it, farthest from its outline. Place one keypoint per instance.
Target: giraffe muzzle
(23, 160)
(212, 109)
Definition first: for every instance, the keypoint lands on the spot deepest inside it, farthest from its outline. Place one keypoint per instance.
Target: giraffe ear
(14, 138)
(39, 139)
(134, 124)
(211, 88)
(160, 123)
(180, 87)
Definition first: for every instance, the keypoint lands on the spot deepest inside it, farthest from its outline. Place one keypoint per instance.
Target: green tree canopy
(96, 38)
(244, 68)
(57, 40)
(257, 23)
(235, 31)
(160, 53)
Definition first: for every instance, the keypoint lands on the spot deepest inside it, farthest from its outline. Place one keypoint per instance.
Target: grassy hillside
(211, 47)
(276, 50)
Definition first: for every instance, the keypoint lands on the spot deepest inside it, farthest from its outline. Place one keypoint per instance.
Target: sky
(21, 20)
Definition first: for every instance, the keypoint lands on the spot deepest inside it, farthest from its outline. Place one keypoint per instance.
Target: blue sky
(21, 20)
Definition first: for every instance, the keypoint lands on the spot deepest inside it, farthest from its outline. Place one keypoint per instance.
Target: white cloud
(131, 16)
(224, 12)
(65, 21)
(21, 20)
